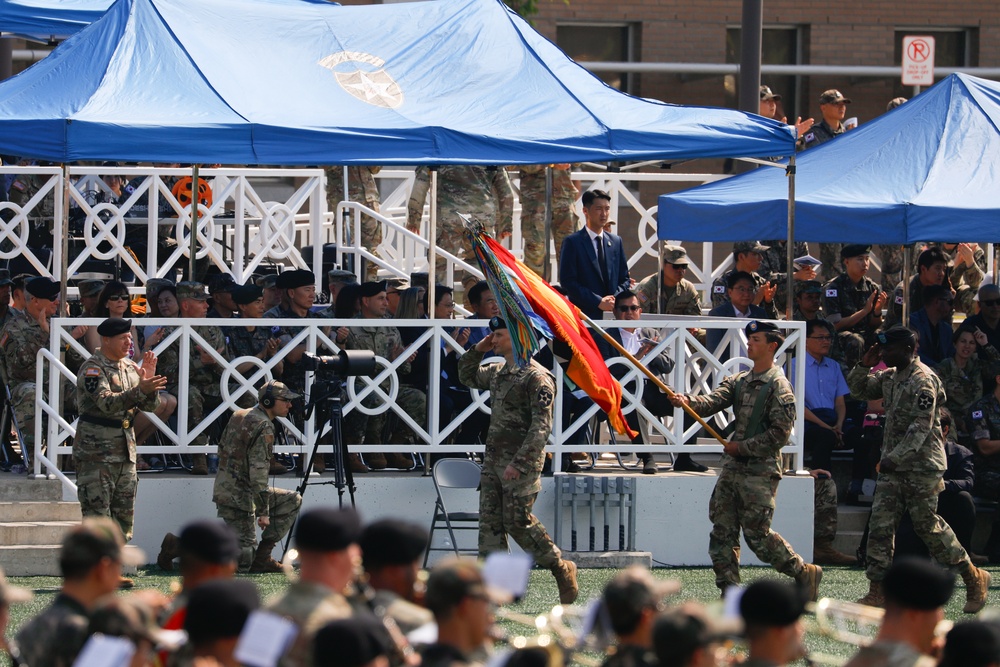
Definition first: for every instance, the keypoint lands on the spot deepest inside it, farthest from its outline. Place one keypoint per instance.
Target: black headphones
(268, 398)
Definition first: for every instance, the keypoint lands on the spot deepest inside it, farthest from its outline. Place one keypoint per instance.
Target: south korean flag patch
(925, 401)
(977, 414)
(831, 293)
(899, 299)
(719, 289)
(91, 378)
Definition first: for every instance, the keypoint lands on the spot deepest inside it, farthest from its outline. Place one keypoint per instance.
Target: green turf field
(697, 583)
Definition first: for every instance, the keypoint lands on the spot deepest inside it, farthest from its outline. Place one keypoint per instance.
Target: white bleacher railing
(697, 370)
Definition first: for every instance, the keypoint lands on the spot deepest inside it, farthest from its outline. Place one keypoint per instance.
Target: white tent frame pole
(432, 248)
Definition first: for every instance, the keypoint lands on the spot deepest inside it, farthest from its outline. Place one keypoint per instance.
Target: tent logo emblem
(371, 84)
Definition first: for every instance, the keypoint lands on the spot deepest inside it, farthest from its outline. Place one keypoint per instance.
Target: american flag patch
(831, 292)
(92, 373)
(977, 414)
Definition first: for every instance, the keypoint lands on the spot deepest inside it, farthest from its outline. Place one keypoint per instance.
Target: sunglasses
(118, 297)
(820, 337)
(628, 309)
(990, 302)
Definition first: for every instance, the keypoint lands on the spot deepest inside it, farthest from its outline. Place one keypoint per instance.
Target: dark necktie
(602, 262)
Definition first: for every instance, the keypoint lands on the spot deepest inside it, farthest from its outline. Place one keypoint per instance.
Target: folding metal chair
(453, 474)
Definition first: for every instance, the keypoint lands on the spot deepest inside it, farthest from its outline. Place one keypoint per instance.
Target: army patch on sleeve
(810, 137)
(719, 289)
(545, 397)
(899, 299)
(925, 401)
(831, 293)
(643, 298)
(977, 414)
(91, 379)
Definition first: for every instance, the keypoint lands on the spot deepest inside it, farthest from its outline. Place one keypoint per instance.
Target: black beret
(351, 642)
(247, 294)
(222, 283)
(42, 288)
(972, 644)
(772, 603)
(211, 541)
(392, 542)
(897, 333)
(916, 583)
(113, 326)
(762, 326)
(218, 609)
(855, 249)
(295, 278)
(372, 288)
(327, 529)
(497, 323)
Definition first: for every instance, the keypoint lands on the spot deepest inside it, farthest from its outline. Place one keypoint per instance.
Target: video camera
(347, 363)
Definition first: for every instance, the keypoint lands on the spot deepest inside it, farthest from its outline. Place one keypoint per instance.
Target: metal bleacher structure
(244, 230)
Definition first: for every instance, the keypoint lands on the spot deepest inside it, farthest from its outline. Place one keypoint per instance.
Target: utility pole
(749, 79)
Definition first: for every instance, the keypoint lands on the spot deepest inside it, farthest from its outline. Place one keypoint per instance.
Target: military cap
(114, 326)
(808, 287)
(894, 103)
(497, 323)
(341, 276)
(351, 642)
(327, 529)
(295, 278)
(9, 593)
(633, 590)
(372, 288)
(973, 643)
(766, 94)
(42, 288)
(679, 631)
(749, 246)
(772, 603)
(210, 541)
(84, 546)
(897, 333)
(915, 583)
(244, 294)
(274, 389)
(132, 619)
(762, 326)
(397, 284)
(89, 287)
(419, 279)
(855, 250)
(268, 281)
(155, 285)
(191, 290)
(392, 542)
(833, 96)
(675, 254)
(452, 581)
(222, 283)
(218, 609)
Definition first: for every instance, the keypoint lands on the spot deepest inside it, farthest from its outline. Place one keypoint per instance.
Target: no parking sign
(918, 60)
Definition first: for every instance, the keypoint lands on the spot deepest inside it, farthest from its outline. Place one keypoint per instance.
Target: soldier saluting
(111, 390)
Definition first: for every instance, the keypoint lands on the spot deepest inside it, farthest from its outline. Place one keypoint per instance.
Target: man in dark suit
(592, 267)
(740, 289)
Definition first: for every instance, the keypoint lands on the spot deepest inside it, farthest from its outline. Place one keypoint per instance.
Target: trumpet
(553, 634)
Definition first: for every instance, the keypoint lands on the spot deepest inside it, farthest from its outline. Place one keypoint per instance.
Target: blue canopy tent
(926, 171)
(48, 20)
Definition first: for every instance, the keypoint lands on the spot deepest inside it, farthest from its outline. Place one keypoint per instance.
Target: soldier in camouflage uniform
(241, 493)
(913, 463)
(251, 341)
(632, 600)
(774, 268)
(891, 261)
(565, 220)
(203, 391)
(391, 552)
(747, 256)
(764, 405)
(853, 304)
(668, 292)
(964, 376)
(933, 267)
(984, 423)
(386, 342)
(111, 390)
(520, 426)
(298, 294)
(363, 189)
(326, 540)
(484, 193)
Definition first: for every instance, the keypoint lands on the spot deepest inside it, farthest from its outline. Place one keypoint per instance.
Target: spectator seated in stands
(964, 375)
(741, 290)
(747, 257)
(932, 323)
(984, 421)
(484, 306)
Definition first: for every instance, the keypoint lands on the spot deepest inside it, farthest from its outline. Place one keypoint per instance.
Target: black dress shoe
(569, 465)
(649, 466)
(684, 463)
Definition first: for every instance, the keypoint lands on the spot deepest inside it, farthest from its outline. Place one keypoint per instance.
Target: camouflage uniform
(984, 424)
(54, 637)
(913, 441)
(744, 493)
(891, 261)
(829, 255)
(630, 655)
(824, 512)
(361, 428)
(964, 386)
(484, 193)
(363, 189)
(243, 343)
(885, 653)
(720, 295)
(21, 340)
(408, 616)
(681, 299)
(565, 220)
(774, 266)
(241, 494)
(310, 606)
(964, 297)
(292, 374)
(108, 391)
(203, 391)
(842, 298)
(519, 430)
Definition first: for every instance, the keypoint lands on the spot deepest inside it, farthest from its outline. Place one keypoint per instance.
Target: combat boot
(825, 554)
(565, 574)
(809, 579)
(169, 550)
(263, 562)
(356, 464)
(376, 461)
(199, 464)
(874, 597)
(399, 461)
(276, 467)
(977, 585)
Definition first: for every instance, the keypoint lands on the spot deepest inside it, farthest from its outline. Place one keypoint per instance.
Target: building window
(601, 42)
(780, 45)
(953, 47)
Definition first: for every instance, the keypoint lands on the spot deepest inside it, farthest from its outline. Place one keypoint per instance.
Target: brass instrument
(553, 634)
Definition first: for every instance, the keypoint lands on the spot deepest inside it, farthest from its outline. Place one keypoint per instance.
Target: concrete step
(30, 560)
(39, 511)
(848, 541)
(34, 532)
(17, 488)
(851, 517)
